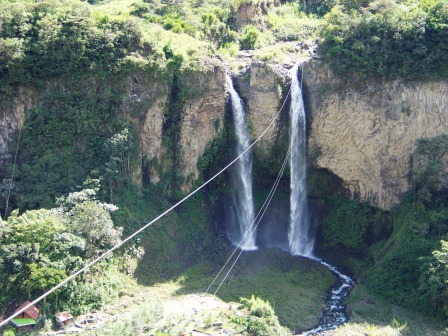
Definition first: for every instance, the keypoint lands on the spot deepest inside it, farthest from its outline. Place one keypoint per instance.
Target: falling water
(244, 204)
(299, 238)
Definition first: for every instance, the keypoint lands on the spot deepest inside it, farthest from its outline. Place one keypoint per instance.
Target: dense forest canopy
(383, 38)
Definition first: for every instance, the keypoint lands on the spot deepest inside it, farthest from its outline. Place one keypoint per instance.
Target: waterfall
(299, 238)
(242, 179)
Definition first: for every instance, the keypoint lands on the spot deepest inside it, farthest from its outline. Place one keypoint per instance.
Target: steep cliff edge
(200, 116)
(366, 135)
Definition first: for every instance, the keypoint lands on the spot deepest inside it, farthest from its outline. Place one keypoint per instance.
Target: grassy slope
(375, 316)
(295, 287)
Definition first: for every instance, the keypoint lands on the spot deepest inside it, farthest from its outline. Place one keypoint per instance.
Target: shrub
(249, 37)
(262, 320)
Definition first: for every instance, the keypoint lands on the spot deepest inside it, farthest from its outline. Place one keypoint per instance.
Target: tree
(90, 219)
(249, 37)
(93, 222)
(28, 247)
(34, 227)
(42, 278)
(434, 279)
(117, 150)
(387, 38)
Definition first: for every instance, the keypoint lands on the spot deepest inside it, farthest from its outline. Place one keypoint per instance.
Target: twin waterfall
(300, 241)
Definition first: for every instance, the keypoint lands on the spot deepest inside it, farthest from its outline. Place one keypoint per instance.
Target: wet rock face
(367, 135)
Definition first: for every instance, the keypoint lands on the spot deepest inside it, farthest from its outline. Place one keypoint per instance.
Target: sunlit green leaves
(434, 279)
(408, 39)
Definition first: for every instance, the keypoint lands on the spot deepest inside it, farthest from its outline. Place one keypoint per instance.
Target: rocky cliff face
(203, 118)
(260, 88)
(12, 114)
(150, 127)
(367, 135)
(364, 135)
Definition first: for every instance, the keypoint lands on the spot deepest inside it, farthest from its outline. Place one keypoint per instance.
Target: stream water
(300, 239)
(334, 313)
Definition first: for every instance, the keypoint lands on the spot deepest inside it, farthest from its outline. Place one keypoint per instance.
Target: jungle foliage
(400, 254)
(40, 248)
(405, 264)
(387, 38)
(75, 56)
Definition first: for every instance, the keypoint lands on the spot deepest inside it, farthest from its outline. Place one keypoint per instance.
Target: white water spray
(244, 204)
(299, 238)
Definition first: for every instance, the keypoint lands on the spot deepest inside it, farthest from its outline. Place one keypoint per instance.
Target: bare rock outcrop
(156, 93)
(203, 118)
(245, 13)
(250, 12)
(260, 88)
(367, 135)
(12, 114)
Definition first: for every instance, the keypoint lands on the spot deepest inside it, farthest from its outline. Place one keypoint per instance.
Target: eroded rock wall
(203, 118)
(12, 115)
(260, 88)
(367, 134)
(364, 134)
(144, 103)
(156, 93)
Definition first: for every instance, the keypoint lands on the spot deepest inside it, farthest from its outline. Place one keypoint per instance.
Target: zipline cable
(268, 201)
(105, 254)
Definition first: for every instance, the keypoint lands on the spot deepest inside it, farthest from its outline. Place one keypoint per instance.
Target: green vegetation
(180, 303)
(350, 225)
(387, 38)
(40, 248)
(435, 277)
(261, 320)
(399, 257)
(412, 269)
(377, 316)
(300, 285)
(76, 62)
